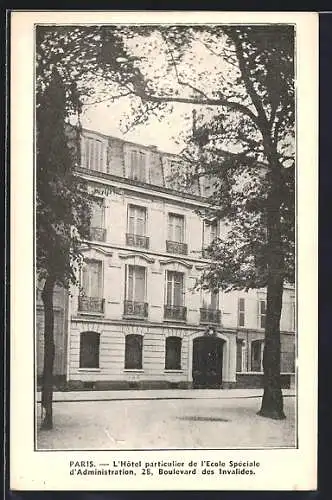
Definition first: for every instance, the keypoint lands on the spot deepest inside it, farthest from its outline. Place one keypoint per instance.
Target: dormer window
(93, 153)
(137, 165)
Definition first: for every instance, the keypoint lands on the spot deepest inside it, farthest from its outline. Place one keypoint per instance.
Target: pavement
(160, 394)
(162, 420)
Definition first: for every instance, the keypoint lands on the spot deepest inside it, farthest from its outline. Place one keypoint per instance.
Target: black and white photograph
(165, 259)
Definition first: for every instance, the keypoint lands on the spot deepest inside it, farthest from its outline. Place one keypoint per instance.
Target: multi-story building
(136, 320)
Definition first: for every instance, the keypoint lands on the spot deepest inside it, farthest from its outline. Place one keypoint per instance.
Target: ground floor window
(240, 355)
(133, 352)
(89, 350)
(257, 347)
(173, 353)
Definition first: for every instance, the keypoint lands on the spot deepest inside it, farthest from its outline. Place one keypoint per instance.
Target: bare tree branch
(262, 118)
(112, 98)
(235, 106)
(180, 81)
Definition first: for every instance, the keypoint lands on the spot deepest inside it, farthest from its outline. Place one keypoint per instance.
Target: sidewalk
(206, 419)
(162, 394)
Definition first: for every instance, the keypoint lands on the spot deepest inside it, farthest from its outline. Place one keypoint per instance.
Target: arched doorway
(207, 362)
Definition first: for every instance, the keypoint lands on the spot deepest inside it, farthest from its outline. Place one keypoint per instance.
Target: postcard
(164, 250)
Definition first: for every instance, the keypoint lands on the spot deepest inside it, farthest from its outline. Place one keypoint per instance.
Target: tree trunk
(272, 402)
(47, 388)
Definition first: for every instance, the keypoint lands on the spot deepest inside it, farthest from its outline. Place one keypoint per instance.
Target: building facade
(136, 321)
(60, 307)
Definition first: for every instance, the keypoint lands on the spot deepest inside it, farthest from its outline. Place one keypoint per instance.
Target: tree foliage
(63, 207)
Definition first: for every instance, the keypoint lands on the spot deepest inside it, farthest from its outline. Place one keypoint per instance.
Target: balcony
(92, 305)
(97, 234)
(175, 313)
(135, 309)
(136, 240)
(210, 316)
(176, 247)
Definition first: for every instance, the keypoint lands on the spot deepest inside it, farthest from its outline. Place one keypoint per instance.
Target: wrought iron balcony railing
(210, 315)
(178, 313)
(137, 309)
(136, 240)
(97, 234)
(176, 247)
(91, 305)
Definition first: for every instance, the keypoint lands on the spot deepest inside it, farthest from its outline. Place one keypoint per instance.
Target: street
(182, 421)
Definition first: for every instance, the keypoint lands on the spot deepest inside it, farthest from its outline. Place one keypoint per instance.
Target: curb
(157, 399)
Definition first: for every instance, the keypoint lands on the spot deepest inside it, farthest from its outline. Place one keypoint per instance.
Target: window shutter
(140, 284)
(130, 285)
(169, 295)
(241, 311)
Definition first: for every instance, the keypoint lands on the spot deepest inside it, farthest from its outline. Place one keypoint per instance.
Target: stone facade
(136, 322)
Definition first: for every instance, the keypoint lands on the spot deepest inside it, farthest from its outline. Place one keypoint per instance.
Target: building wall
(112, 185)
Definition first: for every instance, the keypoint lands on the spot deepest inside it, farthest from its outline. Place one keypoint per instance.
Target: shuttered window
(92, 278)
(93, 154)
(135, 287)
(262, 313)
(176, 228)
(174, 291)
(241, 312)
(137, 165)
(136, 220)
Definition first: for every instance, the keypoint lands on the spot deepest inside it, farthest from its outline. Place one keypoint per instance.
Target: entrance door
(207, 362)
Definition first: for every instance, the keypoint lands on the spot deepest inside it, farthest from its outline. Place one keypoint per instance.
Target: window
(210, 301)
(174, 292)
(176, 228)
(90, 300)
(97, 214)
(239, 355)
(257, 348)
(137, 165)
(173, 353)
(136, 220)
(133, 352)
(210, 230)
(89, 350)
(97, 229)
(262, 313)
(209, 312)
(92, 278)
(241, 312)
(93, 154)
(135, 286)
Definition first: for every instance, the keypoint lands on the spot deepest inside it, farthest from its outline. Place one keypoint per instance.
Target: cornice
(176, 261)
(148, 259)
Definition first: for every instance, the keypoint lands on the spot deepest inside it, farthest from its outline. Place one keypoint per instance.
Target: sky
(198, 67)
(162, 134)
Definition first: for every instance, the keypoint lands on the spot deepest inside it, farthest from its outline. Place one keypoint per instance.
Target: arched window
(89, 350)
(173, 353)
(133, 352)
